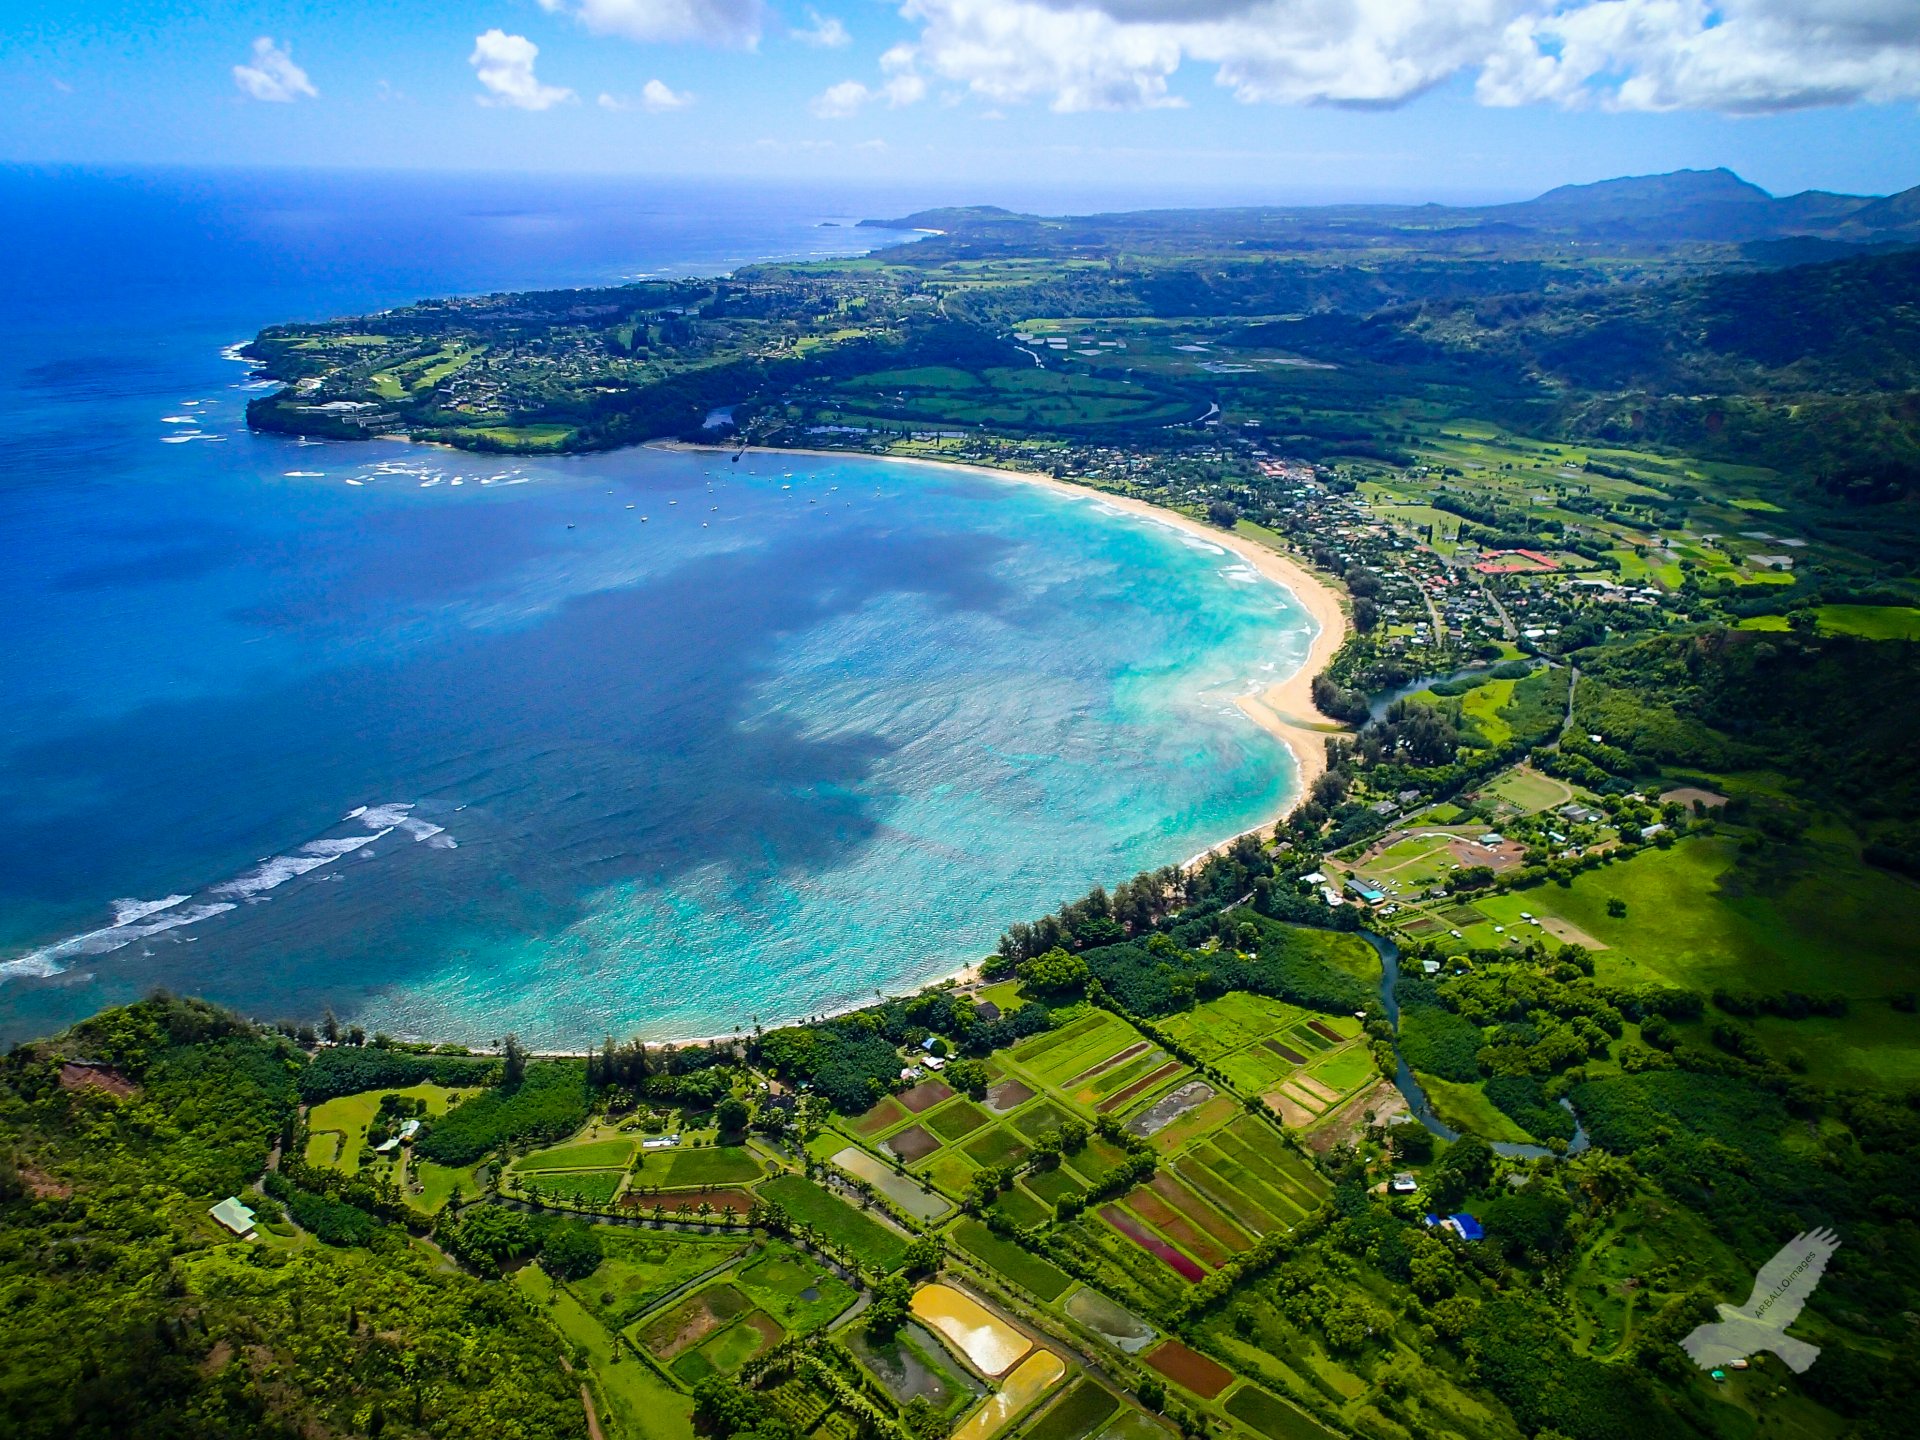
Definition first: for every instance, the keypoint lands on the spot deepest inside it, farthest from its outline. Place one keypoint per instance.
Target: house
(1431, 967)
(1315, 878)
(1330, 895)
(986, 1010)
(409, 1129)
(934, 1062)
(235, 1216)
(1465, 1226)
(1647, 832)
(1403, 1183)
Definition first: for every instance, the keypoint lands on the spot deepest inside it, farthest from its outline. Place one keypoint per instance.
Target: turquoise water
(642, 742)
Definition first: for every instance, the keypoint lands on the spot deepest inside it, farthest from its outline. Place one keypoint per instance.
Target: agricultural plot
(796, 1290)
(1039, 1119)
(962, 1117)
(691, 1168)
(952, 1171)
(1008, 1096)
(913, 1366)
(1078, 1413)
(902, 1190)
(1115, 1324)
(807, 1204)
(639, 1267)
(1037, 1374)
(1019, 1208)
(689, 1322)
(880, 1119)
(1189, 1369)
(595, 1187)
(1301, 1064)
(984, 1339)
(997, 1146)
(1028, 1271)
(727, 1351)
(1274, 1418)
(593, 1155)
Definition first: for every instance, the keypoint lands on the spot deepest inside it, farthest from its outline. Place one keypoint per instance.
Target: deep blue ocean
(458, 745)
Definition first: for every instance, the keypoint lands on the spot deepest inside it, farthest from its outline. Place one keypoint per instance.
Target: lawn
(870, 1241)
(348, 1116)
(437, 1184)
(1028, 1271)
(685, 1169)
(1530, 790)
(1467, 1109)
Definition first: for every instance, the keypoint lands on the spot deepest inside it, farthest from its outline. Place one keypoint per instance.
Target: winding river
(1408, 1086)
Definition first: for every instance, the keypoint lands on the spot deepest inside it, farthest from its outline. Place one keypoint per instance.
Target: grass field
(1869, 622)
(1028, 1271)
(1834, 925)
(596, 1187)
(962, 1117)
(839, 1222)
(1273, 1418)
(685, 1169)
(1467, 1109)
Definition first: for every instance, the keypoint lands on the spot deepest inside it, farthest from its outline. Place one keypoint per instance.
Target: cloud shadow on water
(627, 735)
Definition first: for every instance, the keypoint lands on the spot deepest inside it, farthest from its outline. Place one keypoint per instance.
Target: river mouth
(1408, 1085)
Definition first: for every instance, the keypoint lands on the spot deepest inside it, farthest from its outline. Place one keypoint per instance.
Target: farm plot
(690, 1168)
(1144, 1205)
(1045, 1043)
(596, 1187)
(1028, 1271)
(797, 1291)
(997, 1146)
(687, 1202)
(838, 1221)
(1008, 1096)
(1021, 1209)
(962, 1117)
(639, 1267)
(988, 1343)
(911, 1144)
(924, 1096)
(1189, 1369)
(691, 1321)
(1037, 1374)
(1182, 1265)
(912, 1366)
(727, 1351)
(1079, 1412)
(1114, 1323)
(1155, 1079)
(1274, 1418)
(902, 1190)
(880, 1119)
(594, 1155)
(1038, 1120)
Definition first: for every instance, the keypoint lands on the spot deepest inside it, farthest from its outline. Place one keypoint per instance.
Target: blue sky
(1221, 99)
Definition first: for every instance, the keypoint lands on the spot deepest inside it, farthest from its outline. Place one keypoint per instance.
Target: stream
(1409, 1087)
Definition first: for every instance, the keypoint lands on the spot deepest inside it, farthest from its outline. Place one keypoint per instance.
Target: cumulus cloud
(658, 97)
(273, 76)
(1729, 55)
(504, 64)
(903, 85)
(822, 30)
(734, 23)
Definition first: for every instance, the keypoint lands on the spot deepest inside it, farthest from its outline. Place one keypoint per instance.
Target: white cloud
(903, 86)
(735, 23)
(837, 102)
(1728, 55)
(872, 146)
(504, 64)
(822, 30)
(659, 98)
(273, 76)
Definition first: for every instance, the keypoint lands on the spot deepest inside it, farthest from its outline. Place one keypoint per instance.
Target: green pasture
(1693, 920)
(596, 1187)
(795, 1289)
(1467, 1109)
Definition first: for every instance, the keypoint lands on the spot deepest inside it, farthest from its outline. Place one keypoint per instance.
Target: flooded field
(988, 1342)
(903, 1190)
(1117, 1325)
(1037, 1375)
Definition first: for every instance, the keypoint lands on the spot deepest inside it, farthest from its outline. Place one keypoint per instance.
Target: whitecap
(125, 912)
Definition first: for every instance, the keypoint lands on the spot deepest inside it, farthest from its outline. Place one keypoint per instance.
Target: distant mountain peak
(1676, 187)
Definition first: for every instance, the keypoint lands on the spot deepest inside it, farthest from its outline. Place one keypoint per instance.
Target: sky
(996, 100)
